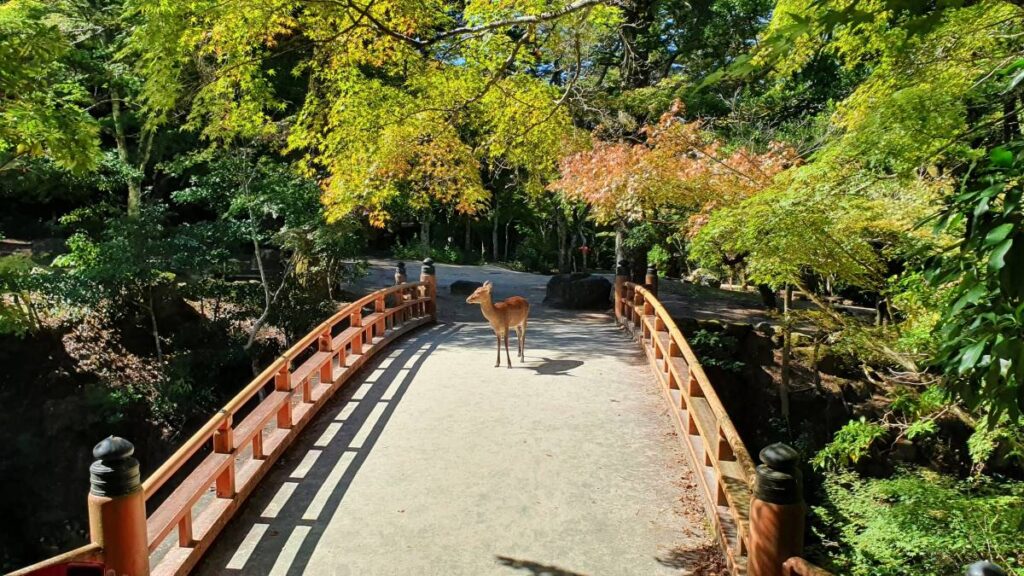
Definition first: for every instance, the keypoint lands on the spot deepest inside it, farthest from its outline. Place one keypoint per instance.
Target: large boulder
(579, 291)
(464, 287)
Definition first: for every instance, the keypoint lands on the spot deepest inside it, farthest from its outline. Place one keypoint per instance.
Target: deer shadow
(554, 367)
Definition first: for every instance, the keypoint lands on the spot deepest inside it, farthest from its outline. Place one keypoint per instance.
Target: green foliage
(1000, 442)
(716, 349)
(19, 279)
(123, 264)
(43, 105)
(851, 443)
(919, 522)
(659, 256)
(413, 252)
(399, 104)
(982, 333)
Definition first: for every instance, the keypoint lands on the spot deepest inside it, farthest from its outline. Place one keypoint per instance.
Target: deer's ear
(488, 284)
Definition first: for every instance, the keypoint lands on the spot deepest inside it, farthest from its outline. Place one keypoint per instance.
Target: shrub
(851, 443)
(919, 522)
(715, 349)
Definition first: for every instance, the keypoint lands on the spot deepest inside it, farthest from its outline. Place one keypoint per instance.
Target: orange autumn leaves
(681, 167)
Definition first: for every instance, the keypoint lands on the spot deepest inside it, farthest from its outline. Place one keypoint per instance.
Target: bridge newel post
(428, 274)
(651, 280)
(621, 277)
(117, 508)
(777, 512)
(985, 568)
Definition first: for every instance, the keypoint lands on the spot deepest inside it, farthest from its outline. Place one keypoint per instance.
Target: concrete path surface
(432, 461)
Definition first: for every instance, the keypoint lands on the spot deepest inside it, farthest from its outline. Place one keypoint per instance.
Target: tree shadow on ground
(535, 568)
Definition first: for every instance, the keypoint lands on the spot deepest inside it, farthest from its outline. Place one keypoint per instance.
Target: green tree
(42, 100)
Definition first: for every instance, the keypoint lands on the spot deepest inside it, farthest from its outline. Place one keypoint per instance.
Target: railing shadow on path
(322, 465)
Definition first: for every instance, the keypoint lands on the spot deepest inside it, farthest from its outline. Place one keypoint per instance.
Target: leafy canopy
(398, 99)
(42, 102)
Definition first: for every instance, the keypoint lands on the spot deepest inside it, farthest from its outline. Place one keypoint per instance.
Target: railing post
(400, 278)
(117, 508)
(651, 281)
(283, 383)
(985, 568)
(224, 443)
(428, 275)
(777, 512)
(621, 277)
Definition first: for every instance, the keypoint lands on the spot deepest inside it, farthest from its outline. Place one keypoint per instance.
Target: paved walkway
(431, 461)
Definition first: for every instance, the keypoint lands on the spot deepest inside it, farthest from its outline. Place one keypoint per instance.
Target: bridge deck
(433, 462)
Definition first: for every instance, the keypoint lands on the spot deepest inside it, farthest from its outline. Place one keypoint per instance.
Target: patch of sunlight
(247, 546)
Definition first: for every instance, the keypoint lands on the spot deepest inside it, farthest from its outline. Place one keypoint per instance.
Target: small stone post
(117, 508)
(428, 275)
(621, 277)
(777, 512)
(651, 280)
(985, 568)
(400, 277)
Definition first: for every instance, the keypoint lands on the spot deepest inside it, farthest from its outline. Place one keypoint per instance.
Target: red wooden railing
(237, 447)
(722, 464)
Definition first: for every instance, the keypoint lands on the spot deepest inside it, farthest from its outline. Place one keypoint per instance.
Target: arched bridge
(384, 442)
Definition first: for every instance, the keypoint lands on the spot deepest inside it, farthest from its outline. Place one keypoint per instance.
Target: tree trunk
(495, 248)
(134, 186)
(468, 242)
(634, 69)
(563, 239)
(425, 235)
(620, 238)
(154, 328)
(507, 225)
(787, 304)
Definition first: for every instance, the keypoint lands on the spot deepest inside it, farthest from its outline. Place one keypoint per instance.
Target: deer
(509, 313)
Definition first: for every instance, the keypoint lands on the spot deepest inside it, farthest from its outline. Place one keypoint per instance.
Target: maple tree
(681, 167)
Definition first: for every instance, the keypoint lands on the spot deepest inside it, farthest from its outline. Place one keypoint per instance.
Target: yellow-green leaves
(384, 101)
(42, 104)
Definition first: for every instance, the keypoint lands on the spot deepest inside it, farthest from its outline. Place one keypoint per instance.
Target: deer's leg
(498, 361)
(508, 359)
(522, 341)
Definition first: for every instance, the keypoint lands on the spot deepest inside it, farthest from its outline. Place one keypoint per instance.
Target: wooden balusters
(357, 340)
(380, 326)
(122, 534)
(725, 451)
(324, 344)
(185, 539)
(223, 443)
(283, 383)
(693, 387)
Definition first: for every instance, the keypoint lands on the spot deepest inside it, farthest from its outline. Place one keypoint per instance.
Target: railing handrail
(176, 461)
(724, 421)
(719, 458)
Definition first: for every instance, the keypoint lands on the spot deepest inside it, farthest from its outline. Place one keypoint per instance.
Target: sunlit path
(433, 462)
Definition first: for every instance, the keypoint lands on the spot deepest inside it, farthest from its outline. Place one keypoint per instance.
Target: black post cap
(778, 477)
(623, 268)
(400, 267)
(985, 568)
(652, 270)
(115, 472)
(428, 266)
